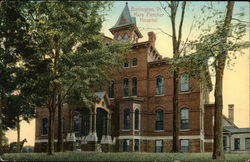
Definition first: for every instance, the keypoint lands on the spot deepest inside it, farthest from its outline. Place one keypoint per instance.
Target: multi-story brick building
(135, 113)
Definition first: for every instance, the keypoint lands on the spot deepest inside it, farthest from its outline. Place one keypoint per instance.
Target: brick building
(135, 113)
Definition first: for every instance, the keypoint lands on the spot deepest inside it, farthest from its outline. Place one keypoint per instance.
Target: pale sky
(236, 89)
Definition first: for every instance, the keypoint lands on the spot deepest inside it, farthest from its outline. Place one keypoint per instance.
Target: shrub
(27, 149)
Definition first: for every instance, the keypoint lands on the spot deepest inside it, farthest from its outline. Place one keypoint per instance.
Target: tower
(125, 28)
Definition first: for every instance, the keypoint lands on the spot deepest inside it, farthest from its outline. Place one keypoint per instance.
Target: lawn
(93, 156)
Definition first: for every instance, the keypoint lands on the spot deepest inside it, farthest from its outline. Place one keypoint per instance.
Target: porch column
(109, 125)
(92, 125)
(90, 122)
(94, 122)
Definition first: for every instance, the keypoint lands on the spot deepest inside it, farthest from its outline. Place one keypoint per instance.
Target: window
(119, 38)
(225, 142)
(136, 119)
(125, 145)
(126, 119)
(247, 144)
(136, 146)
(184, 145)
(44, 126)
(111, 90)
(185, 118)
(125, 63)
(184, 83)
(125, 87)
(134, 62)
(63, 124)
(237, 143)
(125, 37)
(159, 85)
(134, 87)
(159, 120)
(159, 146)
(77, 123)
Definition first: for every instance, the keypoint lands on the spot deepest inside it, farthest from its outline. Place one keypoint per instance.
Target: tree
(220, 62)
(176, 42)
(19, 109)
(220, 45)
(12, 36)
(69, 60)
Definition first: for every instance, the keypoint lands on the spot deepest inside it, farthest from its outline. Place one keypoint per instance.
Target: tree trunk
(218, 128)
(1, 124)
(51, 132)
(176, 54)
(60, 129)
(218, 152)
(175, 81)
(175, 147)
(18, 134)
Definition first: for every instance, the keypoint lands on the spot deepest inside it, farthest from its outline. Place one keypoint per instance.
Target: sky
(151, 17)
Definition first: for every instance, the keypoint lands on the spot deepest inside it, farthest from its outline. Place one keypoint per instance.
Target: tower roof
(125, 18)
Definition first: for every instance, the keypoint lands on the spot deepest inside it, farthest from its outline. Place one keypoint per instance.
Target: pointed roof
(102, 95)
(125, 18)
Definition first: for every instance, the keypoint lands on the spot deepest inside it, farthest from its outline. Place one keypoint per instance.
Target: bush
(27, 149)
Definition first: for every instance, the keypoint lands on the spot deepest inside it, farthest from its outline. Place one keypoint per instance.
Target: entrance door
(100, 123)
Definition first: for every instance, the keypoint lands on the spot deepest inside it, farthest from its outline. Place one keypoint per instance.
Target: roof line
(229, 121)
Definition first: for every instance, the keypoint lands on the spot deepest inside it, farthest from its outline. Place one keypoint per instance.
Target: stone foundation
(42, 146)
(149, 145)
(208, 147)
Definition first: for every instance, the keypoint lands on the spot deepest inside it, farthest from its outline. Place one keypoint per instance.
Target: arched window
(134, 87)
(126, 119)
(184, 83)
(45, 126)
(184, 118)
(125, 87)
(77, 123)
(159, 120)
(134, 62)
(119, 38)
(125, 63)
(111, 90)
(125, 38)
(159, 85)
(136, 119)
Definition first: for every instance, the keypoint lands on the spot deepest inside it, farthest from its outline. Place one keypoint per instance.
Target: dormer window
(125, 37)
(119, 38)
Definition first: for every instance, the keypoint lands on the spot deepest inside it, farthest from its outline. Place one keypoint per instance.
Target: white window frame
(160, 141)
(138, 145)
(185, 83)
(183, 144)
(138, 119)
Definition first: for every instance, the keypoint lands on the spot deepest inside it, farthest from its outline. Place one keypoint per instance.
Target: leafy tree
(12, 34)
(213, 49)
(68, 59)
(18, 109)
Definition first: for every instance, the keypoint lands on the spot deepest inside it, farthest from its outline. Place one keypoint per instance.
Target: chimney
(151, 38)
(231, 112)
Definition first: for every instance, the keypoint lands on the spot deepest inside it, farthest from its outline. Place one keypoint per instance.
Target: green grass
(93, 156)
